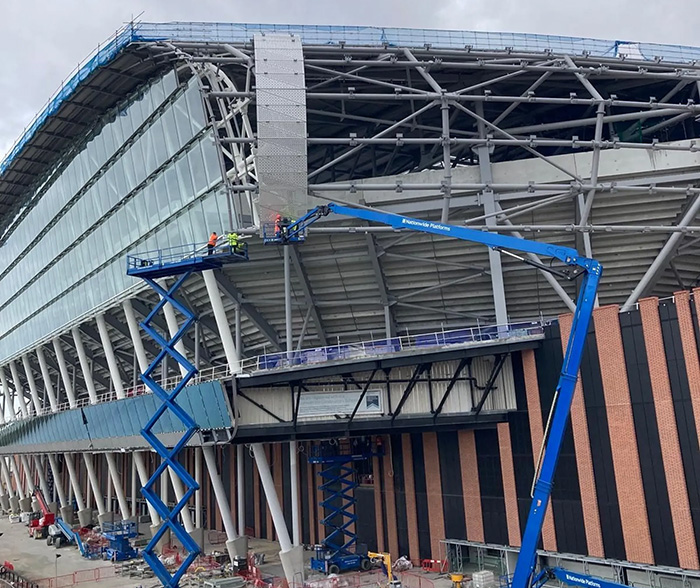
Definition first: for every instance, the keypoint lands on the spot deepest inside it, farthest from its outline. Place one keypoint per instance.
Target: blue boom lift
(574, 265)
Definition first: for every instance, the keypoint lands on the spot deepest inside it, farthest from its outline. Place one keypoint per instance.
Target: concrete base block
(237, 547)
(198, 536)
(35, 505)
(14, 504)
(53, 507)
(5, 502)
(164, 540)
(107, 517)
(67, 514)
(25, 504)
(293, 564)
(85, 517)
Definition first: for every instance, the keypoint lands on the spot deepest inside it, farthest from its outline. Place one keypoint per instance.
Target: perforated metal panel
(281, 113)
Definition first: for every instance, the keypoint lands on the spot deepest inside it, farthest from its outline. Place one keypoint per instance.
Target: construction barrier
(79, 577)
(413, 580)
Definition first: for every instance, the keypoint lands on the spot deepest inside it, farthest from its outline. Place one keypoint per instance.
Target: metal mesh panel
(281, 112)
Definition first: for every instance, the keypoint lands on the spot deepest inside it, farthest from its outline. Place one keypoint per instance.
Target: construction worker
(211, 244)
(278, 226)
(234, 243)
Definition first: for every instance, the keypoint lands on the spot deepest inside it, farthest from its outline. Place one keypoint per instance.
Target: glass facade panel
(68, 255)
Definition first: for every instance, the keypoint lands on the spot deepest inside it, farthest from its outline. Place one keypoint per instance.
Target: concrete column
(42, 479)
(14, 471)
(230, 350)
(111, 358)
(32, 384)
(294, 487)
(118, 488)
(135, 333)
(63, 368)
(102, 515)
(84, 514)
(9, 403)
(31, 488)
(292, 558)
(173, 328)
(48, 386)
(57, 481)
(13, 498)
(84, 365)
(240, 485)
(198, 493)
(235, 545)
(24, 409)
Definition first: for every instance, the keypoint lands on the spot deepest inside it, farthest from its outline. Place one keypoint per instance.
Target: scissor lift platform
(193, 257)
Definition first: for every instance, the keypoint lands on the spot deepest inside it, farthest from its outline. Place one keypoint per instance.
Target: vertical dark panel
(493, 504)
(365, 527)
(422, 506)
(450, 476)
(263, 512)
(646, 428)
(382, 490)
(304, 489)
(566, 495)
(286, 486)
(683, 409)
(601, 452)
(696, 324)
(399, 493)
(523, 462)
(249, 472)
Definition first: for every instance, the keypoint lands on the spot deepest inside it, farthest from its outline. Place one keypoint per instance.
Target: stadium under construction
(377, 381)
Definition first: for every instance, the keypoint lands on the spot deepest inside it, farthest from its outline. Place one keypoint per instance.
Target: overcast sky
(41, 41)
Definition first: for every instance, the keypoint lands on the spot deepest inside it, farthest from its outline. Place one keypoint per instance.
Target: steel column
(273, 502)
(42, 478)
(63, 368)
(143, 478)
(74, 481)
(294, 485)
(173, 328)
(110, 356)
(47, 378)
(9, 404)
(240, 487)
(94, 484)
(117, 483)
(230, 350)
(198, 493)
(219, 492)
(489, 202)
(57, 481)
(24, 405)
(84, 365)
(27, 475)
(289, 343)
(135, 334)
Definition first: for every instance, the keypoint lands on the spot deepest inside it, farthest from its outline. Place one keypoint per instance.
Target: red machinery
(39, 527)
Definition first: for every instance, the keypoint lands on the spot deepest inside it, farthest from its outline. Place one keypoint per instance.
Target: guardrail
(316, 355)
(373, 348)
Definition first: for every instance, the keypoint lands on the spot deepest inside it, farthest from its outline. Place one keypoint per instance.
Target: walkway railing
(365, 349)
(374, 348)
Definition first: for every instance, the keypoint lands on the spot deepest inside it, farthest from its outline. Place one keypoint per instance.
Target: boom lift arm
(576, 265)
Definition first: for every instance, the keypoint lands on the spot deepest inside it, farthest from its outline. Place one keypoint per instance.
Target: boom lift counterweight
(574, 266)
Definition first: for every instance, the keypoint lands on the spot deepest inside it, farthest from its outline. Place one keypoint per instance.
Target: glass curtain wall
(147, 180)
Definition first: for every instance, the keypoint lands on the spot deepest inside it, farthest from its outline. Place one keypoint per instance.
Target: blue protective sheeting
(206, 403)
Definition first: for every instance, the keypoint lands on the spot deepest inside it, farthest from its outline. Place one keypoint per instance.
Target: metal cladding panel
(111, 424)
(281, 114)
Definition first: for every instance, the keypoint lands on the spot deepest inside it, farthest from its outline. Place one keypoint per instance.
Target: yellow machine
(384, 558)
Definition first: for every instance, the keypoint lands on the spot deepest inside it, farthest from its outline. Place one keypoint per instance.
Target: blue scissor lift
(180, 262)
(338, 552)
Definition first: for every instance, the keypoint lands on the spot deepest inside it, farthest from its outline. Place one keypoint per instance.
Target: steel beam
(300, 271)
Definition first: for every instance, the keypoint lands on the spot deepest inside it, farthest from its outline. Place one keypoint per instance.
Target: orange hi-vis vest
(213, 239)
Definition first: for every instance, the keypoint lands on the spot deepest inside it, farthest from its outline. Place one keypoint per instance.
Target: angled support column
(118, 488)
(9, 403)
(292, 558)
(235, 545)
(111, 358)
(84, 365)
(230, 350)
(24, 407)
(135, 334)
(32, 384)
(294, 485)
(102, 515)
(42, 478)
(84, 514)
(60, 490)
(31, 488)
(13, 498)
(48, 386)
(198, 493)
(63, 368)
(173, 328)
(25, 502)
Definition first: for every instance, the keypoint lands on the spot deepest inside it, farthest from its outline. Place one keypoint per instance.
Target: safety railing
(181, 253)
(77, 577)
(346, 351)
(373, 348)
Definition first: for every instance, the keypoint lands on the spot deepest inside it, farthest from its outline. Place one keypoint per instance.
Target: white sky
(41, 41)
